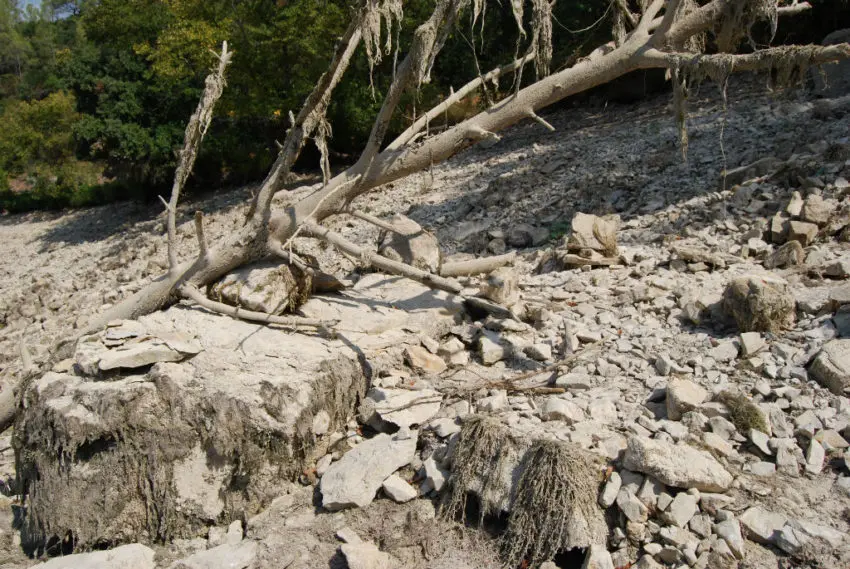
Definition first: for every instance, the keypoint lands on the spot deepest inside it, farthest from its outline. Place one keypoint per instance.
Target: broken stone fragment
(367, 556)
(803, 232)
(790, 254)
(398, 489)
(353, 480)
(759, 303)
(490, 349)
(423, 361)
(682, 396)
(228, 556)
(133, 556)
(502, 286)
(403, 407)
(411, 244)
(817, 210)
(273, 288)
(594, 233)
(680, 466)
(831, 367)
(762, 526)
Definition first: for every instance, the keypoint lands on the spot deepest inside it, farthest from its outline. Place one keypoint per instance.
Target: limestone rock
(680, 466)
(273, 288)
(759, 303)
(424, 361)
(133, 556)
(556, 409)
(502, 286)
(403, 407)
(730, 531)
(790, 254)
(762, 526)
(227, 556)
(367, 556)
(817, 210)
(682, 396)
(803, 232)
(398, 489)
(490, 348)
(353, 480)
(412, 245)
(597, 557)
(594, 233)
(831, 367)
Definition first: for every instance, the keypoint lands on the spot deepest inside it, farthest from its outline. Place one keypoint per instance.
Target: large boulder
(165, 450)
(833, 79)
(759, 303)
(831, 367)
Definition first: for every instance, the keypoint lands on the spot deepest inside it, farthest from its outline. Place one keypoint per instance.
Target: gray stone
(762, 525)
(411, 244)
(490, 349)
(556, 409)
(403, 407)
(801, 231)
(759, 303)
(597, 557)
(682, 396)
(594, 233)
(367, 556)
(494, 403)
(353, 480)
(815, 457)
(424, 361)
(761, 440)
(764, 469)
(398, 489)
(610, 491)
(445, 427)
(227, 556)
(831, 367)
(632, 508)
(817, 210)
(680, 466)
(540, 352)
(681, 509)
(752, 343)
(269, 287)
(502, 286)
(133, 556)
(730, 531)
(435, 476)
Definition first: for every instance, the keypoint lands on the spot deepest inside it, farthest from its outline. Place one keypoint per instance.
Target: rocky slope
(669, 391)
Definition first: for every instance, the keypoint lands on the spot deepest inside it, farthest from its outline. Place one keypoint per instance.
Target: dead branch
(380, 262)
(477, 266)
(191, 293)
(199, 122)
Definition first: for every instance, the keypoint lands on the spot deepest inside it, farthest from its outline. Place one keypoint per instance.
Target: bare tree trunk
(656, 41)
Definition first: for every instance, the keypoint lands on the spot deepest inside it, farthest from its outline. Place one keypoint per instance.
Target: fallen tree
(665, 34)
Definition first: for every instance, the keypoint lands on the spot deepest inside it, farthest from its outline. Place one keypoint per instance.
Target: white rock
(761, 525)
(540, 352)
(556, 409)
(133, 556)
(682, 396)
(490, 349)
(367, 556)
(610, 490)
(760, 440)
(752, 343)
(423, 361)
(445, 427)
(138, 355)
(353, 480)
(763, 468)
(831, 367)
(632, 508)
(227, 556)
(603, 411)
(403, 407)
(597, 557)
(730, 531)
(398, 489)
(815, 457)
(680, 466)
(681, 509)
(435, 477)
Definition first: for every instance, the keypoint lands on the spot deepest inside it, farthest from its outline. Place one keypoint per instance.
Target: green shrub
(37, 132)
